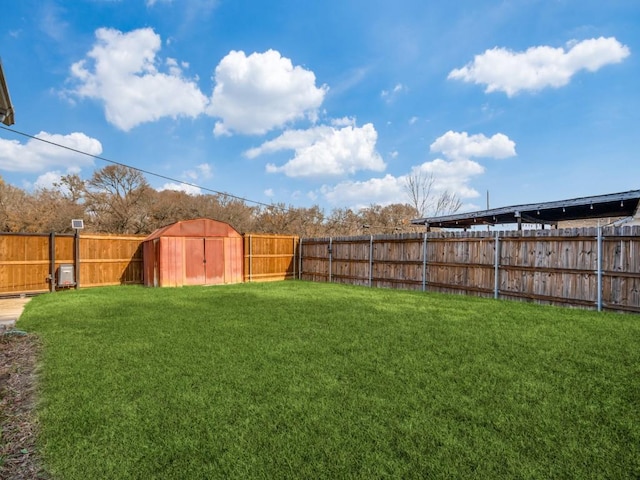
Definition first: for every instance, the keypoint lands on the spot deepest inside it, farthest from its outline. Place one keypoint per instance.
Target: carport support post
(496, 275)
(599, 267)
(52, 262)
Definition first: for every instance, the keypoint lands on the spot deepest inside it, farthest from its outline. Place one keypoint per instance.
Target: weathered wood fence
(593, 268)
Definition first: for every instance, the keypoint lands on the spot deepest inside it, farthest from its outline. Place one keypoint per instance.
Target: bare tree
(419, 187)
(447, 203)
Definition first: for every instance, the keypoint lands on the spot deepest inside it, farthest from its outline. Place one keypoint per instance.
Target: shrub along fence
(589, 267)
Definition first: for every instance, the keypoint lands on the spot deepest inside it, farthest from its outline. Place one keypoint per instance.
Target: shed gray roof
(622, 204)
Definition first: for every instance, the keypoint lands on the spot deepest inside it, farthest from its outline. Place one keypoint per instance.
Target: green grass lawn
(307, 380)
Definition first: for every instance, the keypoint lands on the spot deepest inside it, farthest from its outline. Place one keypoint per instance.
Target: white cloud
(390, 95)
(120, 71)
(343, 122)
(325, 151)
(453, 174)
(459, 145)
(37, 156)
(261, 92)
(511, 72)
(201, 172)
(360, 194)
(181, 187)
(269, 192)
(47, 180)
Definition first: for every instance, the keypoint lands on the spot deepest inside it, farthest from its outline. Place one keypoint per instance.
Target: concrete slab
(10, 310)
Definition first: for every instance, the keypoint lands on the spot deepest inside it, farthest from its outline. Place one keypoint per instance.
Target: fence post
(370, 260)
(52, 262)
(330, 258)
(496, 280)
(76, 257)
(300, 259)
(599, 268)
(424, 263)
(293, 240)
(250, 259)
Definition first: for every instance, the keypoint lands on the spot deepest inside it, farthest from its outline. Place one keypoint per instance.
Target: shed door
(214, 264)
(204, 261)
(194, 261)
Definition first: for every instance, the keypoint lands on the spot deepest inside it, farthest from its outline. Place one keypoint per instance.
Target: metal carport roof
(623, 204)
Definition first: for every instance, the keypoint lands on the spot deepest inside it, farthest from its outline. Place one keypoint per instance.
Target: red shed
(193, 252)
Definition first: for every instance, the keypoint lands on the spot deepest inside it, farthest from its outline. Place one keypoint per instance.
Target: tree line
(119, 200)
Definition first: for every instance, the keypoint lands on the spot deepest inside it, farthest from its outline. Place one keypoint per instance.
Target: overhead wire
(141, 170)
(172, 179)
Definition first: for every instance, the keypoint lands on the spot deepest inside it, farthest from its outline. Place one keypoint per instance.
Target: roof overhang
(615, 205)
(6, 108)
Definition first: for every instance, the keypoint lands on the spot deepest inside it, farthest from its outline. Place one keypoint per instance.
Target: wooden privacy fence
(29, 263)
(597, 268)
(269, 257)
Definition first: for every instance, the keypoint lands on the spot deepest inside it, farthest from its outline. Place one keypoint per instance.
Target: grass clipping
(18, 427)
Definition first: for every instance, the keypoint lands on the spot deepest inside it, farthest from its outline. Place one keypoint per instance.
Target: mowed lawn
(307, 380)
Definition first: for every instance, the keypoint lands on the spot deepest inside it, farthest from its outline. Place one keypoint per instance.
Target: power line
(165, 177)
(146, 172)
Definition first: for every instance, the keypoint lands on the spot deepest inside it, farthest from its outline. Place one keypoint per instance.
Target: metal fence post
(330, 258)
(371, 261)
(300, 259)
(496, 280)
(599, 268)
(424, 263)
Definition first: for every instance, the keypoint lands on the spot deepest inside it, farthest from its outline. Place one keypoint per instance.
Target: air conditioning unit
(66, 276)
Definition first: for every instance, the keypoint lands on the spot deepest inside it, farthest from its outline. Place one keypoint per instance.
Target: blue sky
(329, 102)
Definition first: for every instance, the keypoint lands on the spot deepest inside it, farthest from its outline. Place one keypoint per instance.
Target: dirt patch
(19, 458)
